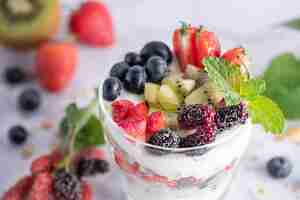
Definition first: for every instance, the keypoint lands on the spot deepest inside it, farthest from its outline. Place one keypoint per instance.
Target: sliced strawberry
(140, 109)
(124, 164)
(42, 187)
(184, 45)
(120, 109)
(135, 126)
(19, 190)
(155, 178)
(41, 164)
(207, 44)
(86, 191)
(238, 56)
(155, 122)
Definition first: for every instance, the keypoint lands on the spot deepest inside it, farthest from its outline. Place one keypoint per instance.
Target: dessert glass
(156, 173)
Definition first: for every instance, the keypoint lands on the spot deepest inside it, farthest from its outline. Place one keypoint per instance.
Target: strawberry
(41, 164)
(155, 122)
(135, 126)
(184, 45)
(86, 191)
(238, 56)
(19, 190)
(120, 109)
(140, 109)
(42, 187)
(55, 65)
(90, 153)
(207, 44)
(124, 164)
(92, 24)
(155, 179)
(56, 157)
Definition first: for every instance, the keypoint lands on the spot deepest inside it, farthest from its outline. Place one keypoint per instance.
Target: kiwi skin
(41, 30)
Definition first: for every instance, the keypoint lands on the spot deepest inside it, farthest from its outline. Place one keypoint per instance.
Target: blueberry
(279, 167)
(156, 68)
(135, 79)
(14, 75)
(119, 70)
(17, 135)
(29, 100)
(111, 88)
(133, 58)
(157, 48)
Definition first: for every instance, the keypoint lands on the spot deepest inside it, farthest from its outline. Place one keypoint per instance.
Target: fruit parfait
(178, 121)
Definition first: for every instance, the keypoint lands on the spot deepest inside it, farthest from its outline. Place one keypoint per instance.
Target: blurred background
(259, 26)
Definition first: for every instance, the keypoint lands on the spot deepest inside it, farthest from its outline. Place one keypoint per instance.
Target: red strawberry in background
(155, 122)
(207, 44)
(238, 56)
(55, 65)
(184, 45)
(92, 24)
(42, 187)
(19, 190)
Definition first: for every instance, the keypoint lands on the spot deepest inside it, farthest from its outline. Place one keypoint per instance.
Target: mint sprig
(80, 129)
(220, 76)
(262, 109)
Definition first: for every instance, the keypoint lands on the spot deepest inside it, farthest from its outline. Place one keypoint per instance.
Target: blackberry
(91, 167)
(192, 116)
(205, 134)
(279, 167)
(227, 117)
(17, 135)
(164, 138)
(29, 100)
(14, 75)
(66, 186)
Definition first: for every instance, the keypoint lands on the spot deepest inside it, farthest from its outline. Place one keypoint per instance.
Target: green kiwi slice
(20, 10)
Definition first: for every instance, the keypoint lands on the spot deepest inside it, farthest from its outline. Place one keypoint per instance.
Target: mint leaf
(265, 112)
(283, 83)
(92, 134)
(294, 23)
(252, 88)
(222, 74)
(83, 125)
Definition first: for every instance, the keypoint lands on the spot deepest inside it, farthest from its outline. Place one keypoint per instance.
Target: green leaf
(223, 77)
(84, 124)
(294, 23)
(267, 113)
(92, 134)
(283, 83)
(252, 88)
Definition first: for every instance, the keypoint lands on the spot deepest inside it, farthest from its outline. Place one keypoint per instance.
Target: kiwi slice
(26, 23)
(198, 96)
(151, 94)
(169, 99)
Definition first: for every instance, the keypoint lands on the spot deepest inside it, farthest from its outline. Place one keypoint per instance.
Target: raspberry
(192, 116)
(66, 186)
(87, 191)
(227, 117)
(205, 134)
(164, 138)
(42, 187)
(19, 190)
(91, 167)
(41, 164)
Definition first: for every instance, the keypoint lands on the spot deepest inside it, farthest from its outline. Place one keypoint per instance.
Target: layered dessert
(178, 120)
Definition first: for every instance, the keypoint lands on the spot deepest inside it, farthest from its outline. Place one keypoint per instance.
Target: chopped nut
(292, 135)
(27, 151)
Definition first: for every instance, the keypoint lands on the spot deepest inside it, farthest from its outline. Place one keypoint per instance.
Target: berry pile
(151, 65)
(49, 181)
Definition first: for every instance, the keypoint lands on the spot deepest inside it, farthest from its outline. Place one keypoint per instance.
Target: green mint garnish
(217, 72)
(80, 129)
(237, 88)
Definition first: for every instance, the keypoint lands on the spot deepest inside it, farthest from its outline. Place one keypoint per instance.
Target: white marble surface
(236, 22)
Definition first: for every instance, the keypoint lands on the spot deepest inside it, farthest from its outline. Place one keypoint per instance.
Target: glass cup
(156, 173)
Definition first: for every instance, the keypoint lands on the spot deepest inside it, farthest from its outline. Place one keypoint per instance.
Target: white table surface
(236, 22)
